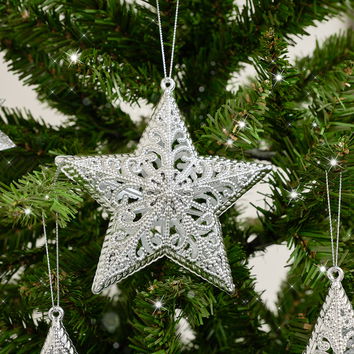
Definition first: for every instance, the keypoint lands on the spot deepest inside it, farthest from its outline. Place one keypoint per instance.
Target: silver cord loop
(48, 260)
(57, 254)
(338, 216)
(161, 40)
(335, 250)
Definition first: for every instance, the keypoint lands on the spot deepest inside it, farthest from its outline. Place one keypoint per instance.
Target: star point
(5, 142)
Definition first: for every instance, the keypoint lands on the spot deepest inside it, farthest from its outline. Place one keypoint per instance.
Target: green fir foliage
(297, 116)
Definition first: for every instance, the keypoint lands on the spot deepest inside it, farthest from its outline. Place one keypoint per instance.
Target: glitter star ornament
(334, 330)
(58, 341)
(163, 200)
(5, 142)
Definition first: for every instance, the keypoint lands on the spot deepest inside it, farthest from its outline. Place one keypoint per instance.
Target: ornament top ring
(56, 313)
(335, 270)
(168, 84)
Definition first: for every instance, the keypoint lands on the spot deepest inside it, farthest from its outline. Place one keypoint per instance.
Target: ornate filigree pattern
(164, 200)
(57, 341)
(334, 330)
(5, 142)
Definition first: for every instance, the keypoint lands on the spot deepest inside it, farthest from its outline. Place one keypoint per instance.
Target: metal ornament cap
(56, 313)
(335, 270)
(5, 142)
(57, 341)
(168, 84)
(163, 200)
(334, 329)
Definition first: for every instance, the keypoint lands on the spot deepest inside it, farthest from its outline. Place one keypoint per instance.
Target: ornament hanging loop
(161, 40)
(56, 313)
(168, 84)
(335, 274)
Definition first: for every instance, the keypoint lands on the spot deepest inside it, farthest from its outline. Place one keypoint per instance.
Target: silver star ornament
(57, 341)
(5, 142)
(163, 200)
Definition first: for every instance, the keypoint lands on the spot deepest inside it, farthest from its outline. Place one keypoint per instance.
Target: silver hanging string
(334, 244)
(161, 39)
(48, 260)
(57, 254)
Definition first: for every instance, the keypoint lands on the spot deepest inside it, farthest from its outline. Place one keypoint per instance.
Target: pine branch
(105, 34)
(324, 59)
(25, 200)
(120, 57)
(156, 319)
